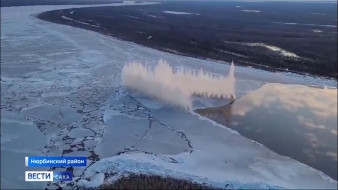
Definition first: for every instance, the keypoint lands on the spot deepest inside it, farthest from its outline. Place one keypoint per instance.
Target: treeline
(207, 35)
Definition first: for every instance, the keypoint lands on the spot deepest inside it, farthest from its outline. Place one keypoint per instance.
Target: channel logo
(62, 176)
(38, 176)
(48, 176)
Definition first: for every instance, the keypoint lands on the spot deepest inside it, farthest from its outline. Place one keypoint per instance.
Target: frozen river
(293, 120)
(61, 95)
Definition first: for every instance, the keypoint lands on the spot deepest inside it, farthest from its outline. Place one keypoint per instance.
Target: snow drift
(177, 86)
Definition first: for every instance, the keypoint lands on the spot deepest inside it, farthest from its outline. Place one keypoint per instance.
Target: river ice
(61, 95)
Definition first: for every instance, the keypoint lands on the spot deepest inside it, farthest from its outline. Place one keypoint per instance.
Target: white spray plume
(177, 87)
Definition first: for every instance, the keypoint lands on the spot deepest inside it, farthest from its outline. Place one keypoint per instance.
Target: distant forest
(306, 33)
(10, 3)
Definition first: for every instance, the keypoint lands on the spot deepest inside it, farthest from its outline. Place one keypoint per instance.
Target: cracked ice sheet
(86, 70)
(219, 155)
(15, 146)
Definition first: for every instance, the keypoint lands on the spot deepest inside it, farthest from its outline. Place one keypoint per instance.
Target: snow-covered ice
(62, 93)
(308, 24)
(16, 144)
(70, 19)
(317, 31)
(250, 11)
(279, 50)
(179, 13)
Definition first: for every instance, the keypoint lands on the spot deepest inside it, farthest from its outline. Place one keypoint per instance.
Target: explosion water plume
(177, 87)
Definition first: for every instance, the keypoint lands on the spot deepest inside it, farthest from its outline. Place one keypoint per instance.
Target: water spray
(177, 87)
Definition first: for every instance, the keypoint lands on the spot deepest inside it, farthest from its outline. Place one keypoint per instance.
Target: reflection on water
(292, 120)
